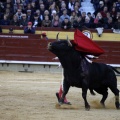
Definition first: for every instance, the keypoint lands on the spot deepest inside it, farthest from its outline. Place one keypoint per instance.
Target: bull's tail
(115, 70)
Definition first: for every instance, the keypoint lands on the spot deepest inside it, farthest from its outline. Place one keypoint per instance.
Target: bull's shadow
(100, 76)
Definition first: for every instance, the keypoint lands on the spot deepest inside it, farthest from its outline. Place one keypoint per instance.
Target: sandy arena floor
(31, 96)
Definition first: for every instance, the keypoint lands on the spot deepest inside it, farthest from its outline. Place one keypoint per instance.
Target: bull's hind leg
(116, 92)
(105, 95)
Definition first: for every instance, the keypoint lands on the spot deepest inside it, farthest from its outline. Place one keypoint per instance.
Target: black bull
(100, 77)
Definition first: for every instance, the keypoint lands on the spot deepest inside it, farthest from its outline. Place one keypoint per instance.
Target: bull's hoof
(103, 105)
(87, 107)
(117, 105)
(57, 95)
(60, 103)
(63, 102)
(68, 103)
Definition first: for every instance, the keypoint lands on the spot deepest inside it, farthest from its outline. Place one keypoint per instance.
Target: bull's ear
(57, 37)
(69, 43)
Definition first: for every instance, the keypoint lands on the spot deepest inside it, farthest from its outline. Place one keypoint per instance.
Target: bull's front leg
(66, 87)
(84, 95)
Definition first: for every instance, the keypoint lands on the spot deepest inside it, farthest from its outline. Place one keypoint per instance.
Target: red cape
(86, 45)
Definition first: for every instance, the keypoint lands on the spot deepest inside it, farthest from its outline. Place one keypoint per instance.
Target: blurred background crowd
(60, 13)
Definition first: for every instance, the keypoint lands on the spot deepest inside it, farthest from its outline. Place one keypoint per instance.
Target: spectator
(14, 21)
(118, 6)
(78, 23)
(117, 24)
(90, 17)
(117, 16)
(108, 4)
(48, 3)
(113, 13)
(73, 17)
(62, 17)
(66, 24)
(104, 12)
(46, 13)
(23, 21)
(77, 3)
(107, 17)
(0, 30)
(98, 21)
(33, 7)
(36, 21)
(71, 5)
(53, 7)
(42, 9)
(2, 7)
(5, 21)
(100, 7)
(56, 21)
(8, 13)
(87, 23)
(39, 14)
(83, 14)
(17, 4)
(28, 7)
(19, 14)
(29, 15)
(77, 10)
(62, 8)
(109, 24)
(53, 15)
(9, 6)
(29, 28)
(44, 36)
(46, 22)
(95, 4)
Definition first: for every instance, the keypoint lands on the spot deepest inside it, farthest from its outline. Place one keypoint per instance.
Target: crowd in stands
(59, 13)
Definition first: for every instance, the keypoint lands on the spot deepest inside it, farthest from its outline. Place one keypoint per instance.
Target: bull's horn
(57, 37)
(69, 43)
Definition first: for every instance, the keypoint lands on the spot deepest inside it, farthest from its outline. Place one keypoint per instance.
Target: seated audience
(39, 14)
(64, 15)
(118, 5)
(87, 23)
(109, 24)
(23, 21)
(53, 14)
(73, 17)
(46, 22)
(78, 23)
(91, 17)
(62, 8)
(0, 30)
(113, 13)
(36, 21)
(5, 20)
(58, 9)
(77, 10)
(29, 15)
(19, 14)
(56, 21)
(46, 13)
(29, 28)
(98, 21)
(117, 24)
(66, 24)
(14, 21)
